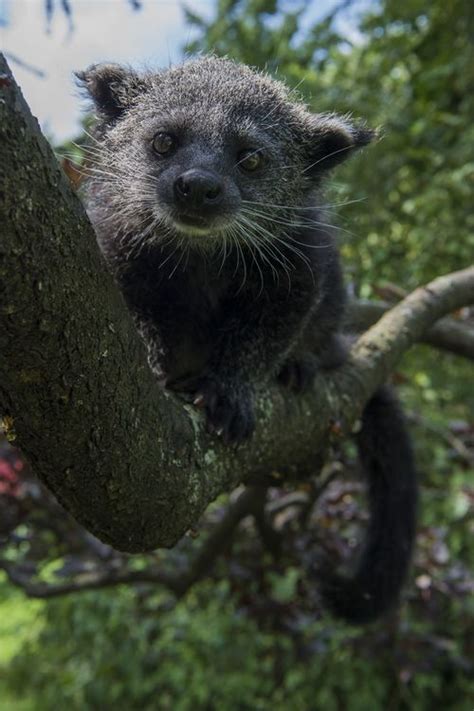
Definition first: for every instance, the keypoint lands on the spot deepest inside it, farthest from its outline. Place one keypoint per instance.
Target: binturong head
(207, 149)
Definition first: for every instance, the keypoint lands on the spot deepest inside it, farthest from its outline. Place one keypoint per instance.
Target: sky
(104, 30)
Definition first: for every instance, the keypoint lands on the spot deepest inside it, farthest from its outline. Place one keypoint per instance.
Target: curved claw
(228, 406)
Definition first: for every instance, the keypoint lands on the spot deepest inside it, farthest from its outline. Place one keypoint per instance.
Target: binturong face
(207, 149)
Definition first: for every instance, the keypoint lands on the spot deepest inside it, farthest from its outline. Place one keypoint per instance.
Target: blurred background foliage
(251, 636)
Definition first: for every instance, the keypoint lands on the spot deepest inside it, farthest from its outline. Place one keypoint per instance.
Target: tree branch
(448, 334)
(179, 583)
(128, 460)
(93, 580)
(379, 349)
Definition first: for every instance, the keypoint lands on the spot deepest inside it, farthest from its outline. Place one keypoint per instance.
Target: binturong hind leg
(299, 370)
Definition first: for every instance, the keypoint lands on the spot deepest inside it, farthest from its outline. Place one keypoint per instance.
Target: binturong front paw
(228, 405)
(298, 372)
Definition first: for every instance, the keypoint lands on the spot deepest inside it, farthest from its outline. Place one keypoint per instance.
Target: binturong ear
(112, 87)
(332, 139)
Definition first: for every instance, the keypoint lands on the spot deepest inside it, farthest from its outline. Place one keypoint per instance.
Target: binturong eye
(164, 143)
(250, 159)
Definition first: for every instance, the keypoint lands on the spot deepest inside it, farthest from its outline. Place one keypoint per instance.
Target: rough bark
(127, 459)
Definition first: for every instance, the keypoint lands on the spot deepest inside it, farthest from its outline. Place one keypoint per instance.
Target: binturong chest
(189, 302)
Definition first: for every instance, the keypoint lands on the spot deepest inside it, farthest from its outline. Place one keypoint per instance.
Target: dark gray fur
(224, 289)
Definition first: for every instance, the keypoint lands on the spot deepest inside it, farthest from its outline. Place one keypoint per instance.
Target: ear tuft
(333, 139)
(112, 88)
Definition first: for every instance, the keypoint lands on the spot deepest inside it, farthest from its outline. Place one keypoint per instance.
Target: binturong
(206, 197)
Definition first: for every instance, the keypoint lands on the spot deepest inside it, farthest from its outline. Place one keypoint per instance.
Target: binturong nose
(197, 188)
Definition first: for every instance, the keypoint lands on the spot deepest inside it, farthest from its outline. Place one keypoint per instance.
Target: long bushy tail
(386, 455)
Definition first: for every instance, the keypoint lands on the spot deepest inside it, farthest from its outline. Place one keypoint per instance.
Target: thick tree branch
(128, 460)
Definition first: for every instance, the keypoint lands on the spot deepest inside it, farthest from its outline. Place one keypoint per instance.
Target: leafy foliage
(407, 68)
